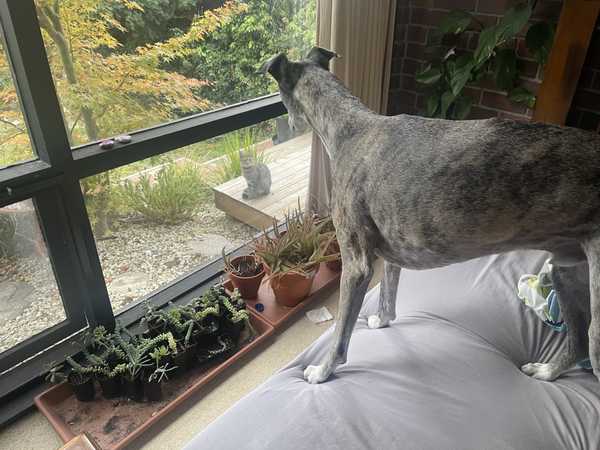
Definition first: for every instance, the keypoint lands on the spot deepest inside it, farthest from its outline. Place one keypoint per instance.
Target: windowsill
(34, 431)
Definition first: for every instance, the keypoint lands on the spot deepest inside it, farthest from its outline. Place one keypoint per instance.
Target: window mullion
(33, 80)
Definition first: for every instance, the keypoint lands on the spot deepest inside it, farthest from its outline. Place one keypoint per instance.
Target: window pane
(29, 298)
(122, 65)
(162, 217)
(15, 146)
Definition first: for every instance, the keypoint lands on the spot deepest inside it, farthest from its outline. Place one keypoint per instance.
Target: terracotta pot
(291, 288)
(335, 265)
(248, 286)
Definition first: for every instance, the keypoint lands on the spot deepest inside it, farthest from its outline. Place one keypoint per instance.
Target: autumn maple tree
(104, 90)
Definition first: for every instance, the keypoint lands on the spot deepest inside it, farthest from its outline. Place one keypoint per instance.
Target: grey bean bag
(445, 375)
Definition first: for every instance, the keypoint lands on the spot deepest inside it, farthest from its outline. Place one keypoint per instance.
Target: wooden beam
(575, 28)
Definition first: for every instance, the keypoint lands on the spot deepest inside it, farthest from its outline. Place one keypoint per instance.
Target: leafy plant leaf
(455, 22)
(514, 20)
(462, 107)
(488, 41)
(461, 73)
(539, 40)
(431, 104)
(446, 101)
(505, 69)
(429, 75)
(522, 95)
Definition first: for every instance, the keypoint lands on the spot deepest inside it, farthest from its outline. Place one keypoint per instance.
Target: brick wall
(415, 19)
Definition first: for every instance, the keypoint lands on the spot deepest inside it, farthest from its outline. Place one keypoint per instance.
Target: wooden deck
(289, 182)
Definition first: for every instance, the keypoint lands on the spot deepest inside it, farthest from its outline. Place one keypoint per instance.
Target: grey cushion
(445, 375)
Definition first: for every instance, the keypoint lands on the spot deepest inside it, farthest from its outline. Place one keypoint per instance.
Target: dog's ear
(321, 56)
(275, 66)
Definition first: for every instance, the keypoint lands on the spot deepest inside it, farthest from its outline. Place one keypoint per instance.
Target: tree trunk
(49, 20)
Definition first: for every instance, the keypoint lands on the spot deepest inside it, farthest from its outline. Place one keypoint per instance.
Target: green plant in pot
(235, 317)
(153, 384)
(245, 272)
(107, 375)
(155, 320)
(292, 257)
(137, 360)
(80, 382)
(186, 348)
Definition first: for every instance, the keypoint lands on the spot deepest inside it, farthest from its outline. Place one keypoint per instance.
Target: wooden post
(575, 28)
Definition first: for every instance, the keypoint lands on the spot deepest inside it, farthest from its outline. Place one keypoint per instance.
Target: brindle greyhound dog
(423, 193)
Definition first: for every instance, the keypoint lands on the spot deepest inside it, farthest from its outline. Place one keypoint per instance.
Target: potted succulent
(186, 349)
(81, 383)
(132, 383)
(292, 257)
(153, 384)
(245, 272)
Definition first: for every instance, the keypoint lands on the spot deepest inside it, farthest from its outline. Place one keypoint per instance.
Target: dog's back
(460, 189)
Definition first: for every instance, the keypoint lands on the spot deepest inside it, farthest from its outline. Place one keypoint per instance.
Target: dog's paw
(540, 371)
(316, 374)
(375, 321)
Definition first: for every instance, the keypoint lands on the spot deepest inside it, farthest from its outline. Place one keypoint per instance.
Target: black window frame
(55, 177)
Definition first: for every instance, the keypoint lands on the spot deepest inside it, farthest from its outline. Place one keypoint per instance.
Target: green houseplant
(495, 58)
(245, 273)
(292, 257)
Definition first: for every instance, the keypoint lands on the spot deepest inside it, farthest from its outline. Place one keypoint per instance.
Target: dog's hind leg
(387, 297)
(592, 251)
(356, 274)
(570, 283)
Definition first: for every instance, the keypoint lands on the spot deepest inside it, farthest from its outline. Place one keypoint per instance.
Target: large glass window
(160, 218)
(29, 298)
(110, 67)
(15, 146)
(123, 65)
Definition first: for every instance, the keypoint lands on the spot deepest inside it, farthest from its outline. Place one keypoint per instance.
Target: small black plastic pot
(153, 391)
(111, 387)
(233, 330)
(155, 328)
(83, 387)
(184, 359)
(133, 389)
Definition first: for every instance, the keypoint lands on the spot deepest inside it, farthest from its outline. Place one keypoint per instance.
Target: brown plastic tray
(113, 424)
(277, 314)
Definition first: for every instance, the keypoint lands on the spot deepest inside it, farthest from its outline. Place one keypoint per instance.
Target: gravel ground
(137, 259)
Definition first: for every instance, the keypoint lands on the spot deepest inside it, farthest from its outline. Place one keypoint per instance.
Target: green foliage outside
(122, 65)
(494, 57)
(229, 57)
(175, 196)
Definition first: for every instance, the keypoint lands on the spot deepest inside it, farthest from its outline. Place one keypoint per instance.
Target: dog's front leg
(356, 275)
(386, 311)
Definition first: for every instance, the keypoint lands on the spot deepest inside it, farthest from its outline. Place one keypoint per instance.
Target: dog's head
(287, 74)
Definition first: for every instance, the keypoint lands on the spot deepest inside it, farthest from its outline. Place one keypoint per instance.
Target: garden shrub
(172, 197)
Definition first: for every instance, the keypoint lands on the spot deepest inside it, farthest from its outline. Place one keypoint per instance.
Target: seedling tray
(276, 314)
(115, 423)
